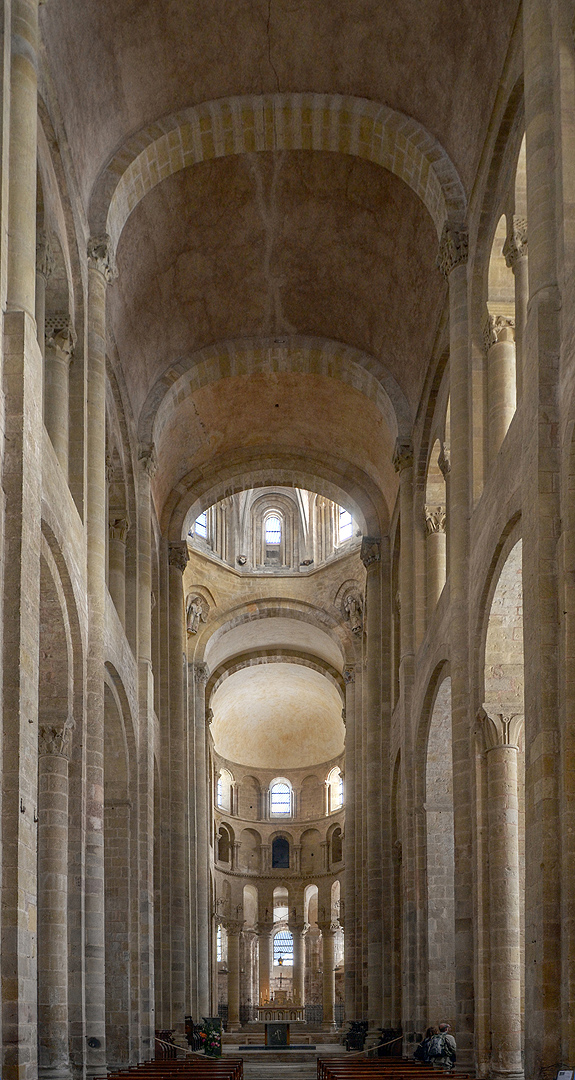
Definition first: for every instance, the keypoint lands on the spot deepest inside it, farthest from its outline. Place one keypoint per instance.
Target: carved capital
(515, 246)
(300, 928)
(328, 927)
(148, 459)
(264, 929)
(435, 519)
(348, 675)
(45, 261)
(55, 739)
(370, 550)
(101, 257)
(201, 674)
(502, 725)
(60, 342)
(178, 555)
(498, 328)
(402, 455)
(453, 248)
(119, 528)
(209, 716)
(233, 926)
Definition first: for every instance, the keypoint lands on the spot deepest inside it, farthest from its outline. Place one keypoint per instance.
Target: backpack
(436, 1048)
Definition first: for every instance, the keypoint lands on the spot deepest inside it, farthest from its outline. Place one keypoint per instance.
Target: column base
(372, 1038)
(54, 1072)
(329, 1026)
(495, 1074)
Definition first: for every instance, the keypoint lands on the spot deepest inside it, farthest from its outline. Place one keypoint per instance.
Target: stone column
(549, 970)
(177, 558)
(515, 253)
(264, 960)
(502, 727)
(501, 380)
(436, 555)
(298, 932)
(53, 1054)
(234, 929)
(266, 856)
(20, 522)
(411, 908)
(146, 762)
(59, 350)
(328, 930)
(100, 273)
(371, 557)
(44, 269)
(350, 854)
(201, 840)
(452, 261)
(118, 534)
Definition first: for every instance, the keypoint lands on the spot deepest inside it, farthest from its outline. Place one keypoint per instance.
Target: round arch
(248, 124)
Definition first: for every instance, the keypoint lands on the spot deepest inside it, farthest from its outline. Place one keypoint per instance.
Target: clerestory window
(345, 525)
(273, 530)
(280, 800)
(201, 525)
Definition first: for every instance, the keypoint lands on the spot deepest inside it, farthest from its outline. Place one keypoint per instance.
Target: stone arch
(243, 125)
(330, 475)
(280, 853)
(225, 844)
(55, 725)
(273, 656)
(250, 850)
(305, 355)
(503, 664)
(501, 764)
(335, 842)
(270, 608)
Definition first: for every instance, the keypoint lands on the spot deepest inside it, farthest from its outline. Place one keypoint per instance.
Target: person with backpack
(421, 1054)
(442, 1049)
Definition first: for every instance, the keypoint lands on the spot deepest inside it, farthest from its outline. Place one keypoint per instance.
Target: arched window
(280, 853)
(221, 945)
(224, 790)
(201, 526)
(345, 525)
(273, 540)
(337, 846)
(280, 799)
(283, 948)
(224, 845)
(334, 790)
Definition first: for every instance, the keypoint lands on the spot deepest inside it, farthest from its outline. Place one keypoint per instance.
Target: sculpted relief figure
(354, 610)
(196, 612)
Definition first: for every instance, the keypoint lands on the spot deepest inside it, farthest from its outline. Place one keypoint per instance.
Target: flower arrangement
(211, 1040)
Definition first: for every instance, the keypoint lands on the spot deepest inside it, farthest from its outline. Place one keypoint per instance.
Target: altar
(285, 1012)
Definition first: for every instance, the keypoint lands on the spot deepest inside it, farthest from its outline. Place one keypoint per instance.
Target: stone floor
(282, 1064)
